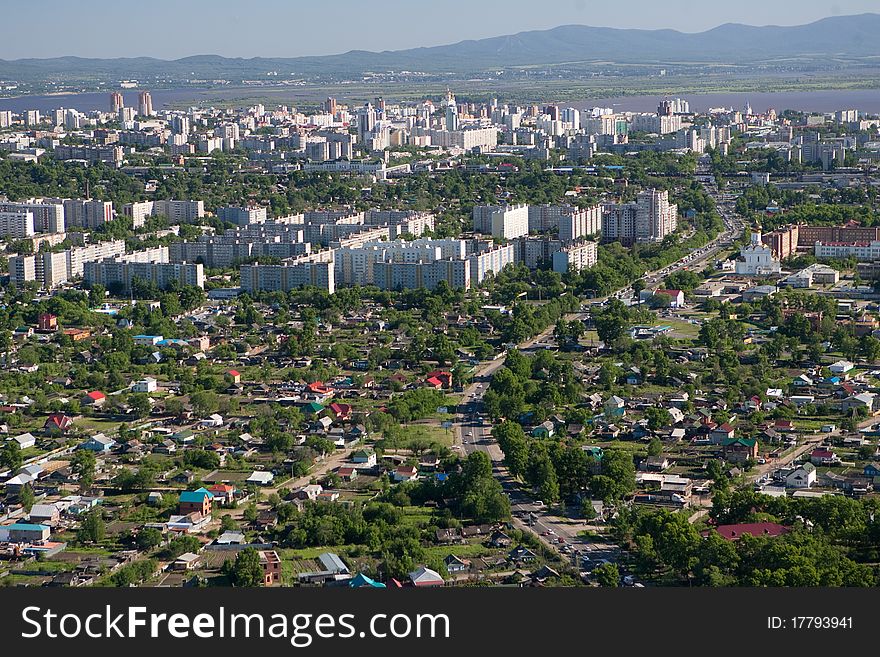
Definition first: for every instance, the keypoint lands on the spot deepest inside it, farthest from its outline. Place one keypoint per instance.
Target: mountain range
(839, 37)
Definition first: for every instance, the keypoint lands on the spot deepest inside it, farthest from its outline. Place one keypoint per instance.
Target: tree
(657, 418)
(92, 527)
(83, 464)
(637, 286)
(246, 571)
(607, 574)
(26, 497)
(10, 456)
(148, 538)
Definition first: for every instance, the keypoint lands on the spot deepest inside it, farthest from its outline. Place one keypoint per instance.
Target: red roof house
(58, 422)
(443, 376)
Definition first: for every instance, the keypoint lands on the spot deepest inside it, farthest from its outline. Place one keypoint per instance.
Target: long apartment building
(91, 154)
(861, 251)
(119, 274)
(242, 216)
(51, 269)
(649, 219)
(48, 216)
(316, 270)
(176, 211)
(86, 213)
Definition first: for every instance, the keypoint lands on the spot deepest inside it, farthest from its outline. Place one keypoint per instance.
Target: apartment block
(119, 274)
(16, 225)
(576, 256)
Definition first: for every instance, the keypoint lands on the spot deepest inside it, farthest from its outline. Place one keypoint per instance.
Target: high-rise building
(366, 117)
(576, 256)
(145, 104)
(650, 219)
(117, 102)
(5, 119)
(16, 225)
(510, 222)
(48, 217)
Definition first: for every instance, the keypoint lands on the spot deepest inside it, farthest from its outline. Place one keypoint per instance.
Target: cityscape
(416, 331)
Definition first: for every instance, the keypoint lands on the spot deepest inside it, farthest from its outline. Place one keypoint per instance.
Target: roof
(332, 562)
(196, 496)
(733, 532)
(362, 580)
(424, 575)
(234, 373)
(26, 526)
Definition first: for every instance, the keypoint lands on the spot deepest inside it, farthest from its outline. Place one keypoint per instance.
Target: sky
(169, 29)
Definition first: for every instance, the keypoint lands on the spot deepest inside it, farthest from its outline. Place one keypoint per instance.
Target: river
(865, 100)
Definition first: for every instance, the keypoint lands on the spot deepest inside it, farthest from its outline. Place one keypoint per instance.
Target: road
(733, 229)
(473, 431)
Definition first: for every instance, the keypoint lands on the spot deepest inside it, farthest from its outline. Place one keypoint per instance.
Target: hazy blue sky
(289, 28)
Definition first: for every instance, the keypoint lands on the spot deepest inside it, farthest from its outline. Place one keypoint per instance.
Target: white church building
(756, 259)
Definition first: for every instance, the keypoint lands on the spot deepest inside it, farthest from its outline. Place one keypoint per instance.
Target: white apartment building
(119, 273)
(861, 251)
(48, 217)
(87, 213)
(580, 223)
(16, 225)
(177, 212)
(575, 256)
(491, 261)
(510, 222)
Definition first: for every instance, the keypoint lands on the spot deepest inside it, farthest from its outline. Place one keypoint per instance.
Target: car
(539, 503)
(547, 533)
(560, 540)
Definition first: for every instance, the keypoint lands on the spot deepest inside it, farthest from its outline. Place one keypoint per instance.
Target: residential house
(24, 440)
(347, 473)
(721, 433)
(740, 450)
(58, 423)
(270, 562)
(260, 478)
(865, 400)
(802, 477)
(841, 367)
(146, 385)
(405, 473)
(196, 501)
(455, 564)
(98, 443)
(365, 457)
(820, 456)
(521, 554)
(615, 407)
(424, 577)
(544, 430)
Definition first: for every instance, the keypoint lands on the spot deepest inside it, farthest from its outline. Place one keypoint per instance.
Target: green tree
(92, 527)
(26, 497)
(607, 574)
(246, 571)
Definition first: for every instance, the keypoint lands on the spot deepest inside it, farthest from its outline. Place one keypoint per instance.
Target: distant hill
(840, 36)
